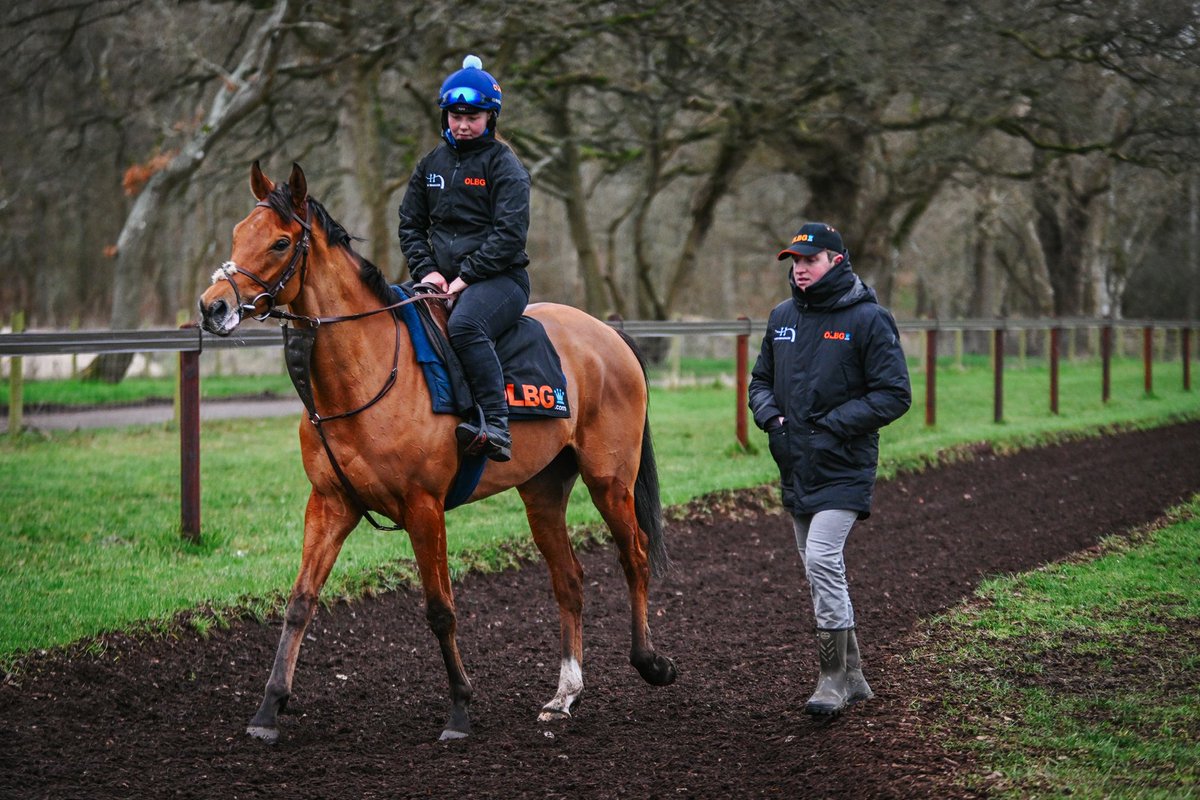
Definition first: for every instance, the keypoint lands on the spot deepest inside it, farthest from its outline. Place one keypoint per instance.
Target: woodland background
(987, 158)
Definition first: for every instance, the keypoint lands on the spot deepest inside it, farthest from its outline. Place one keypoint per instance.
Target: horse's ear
(299, 186)
(260, 184)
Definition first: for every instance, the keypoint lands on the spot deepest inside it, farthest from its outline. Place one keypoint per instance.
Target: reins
(298, 344)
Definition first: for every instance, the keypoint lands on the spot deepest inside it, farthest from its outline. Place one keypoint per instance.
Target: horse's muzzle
(218, 317)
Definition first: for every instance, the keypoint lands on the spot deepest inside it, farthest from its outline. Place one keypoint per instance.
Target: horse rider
(463, 225)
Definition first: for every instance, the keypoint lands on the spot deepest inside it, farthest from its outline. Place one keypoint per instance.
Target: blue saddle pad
(534, 381)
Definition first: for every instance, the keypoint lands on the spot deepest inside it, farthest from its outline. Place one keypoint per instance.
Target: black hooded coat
(831, 365)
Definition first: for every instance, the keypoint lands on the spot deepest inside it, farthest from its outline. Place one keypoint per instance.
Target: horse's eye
(281, 245)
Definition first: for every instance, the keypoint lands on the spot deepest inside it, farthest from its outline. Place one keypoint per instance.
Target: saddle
(534, 383)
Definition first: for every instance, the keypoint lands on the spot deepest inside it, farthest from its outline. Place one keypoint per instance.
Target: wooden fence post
(1185, 347)
(1055, 333)
(189, 443)
(998, 374)
(74, 326)
(743, 368)
(1106, 363)
(1148, 358)
(930, 377)
(16, 382)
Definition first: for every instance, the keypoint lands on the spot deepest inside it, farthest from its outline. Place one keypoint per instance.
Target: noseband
(269, 292)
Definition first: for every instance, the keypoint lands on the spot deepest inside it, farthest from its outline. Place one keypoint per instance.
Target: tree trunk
(363, 210)
(596, 298)
(1193, 247)
(240, 94)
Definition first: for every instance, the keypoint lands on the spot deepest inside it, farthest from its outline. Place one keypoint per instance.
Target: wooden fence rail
(189, 342)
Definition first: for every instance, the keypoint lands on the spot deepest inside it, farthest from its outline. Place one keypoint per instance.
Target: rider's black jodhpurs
(482, 312)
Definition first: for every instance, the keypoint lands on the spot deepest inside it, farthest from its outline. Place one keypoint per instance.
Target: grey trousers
(821, 538)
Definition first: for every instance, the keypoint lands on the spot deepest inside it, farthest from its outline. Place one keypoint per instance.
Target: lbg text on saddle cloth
(464, 221)
(829, 375)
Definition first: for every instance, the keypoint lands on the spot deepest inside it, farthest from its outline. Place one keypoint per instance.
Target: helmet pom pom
(472, 62)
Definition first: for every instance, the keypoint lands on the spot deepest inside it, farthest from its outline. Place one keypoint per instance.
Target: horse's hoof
(450, 735)
(553, 715)
(657, 671)
(268, 735)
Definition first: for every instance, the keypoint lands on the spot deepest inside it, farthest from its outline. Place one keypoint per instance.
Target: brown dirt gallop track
(165, 718)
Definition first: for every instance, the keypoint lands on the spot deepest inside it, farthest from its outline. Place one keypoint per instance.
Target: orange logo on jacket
(475, 181)
(842, 336)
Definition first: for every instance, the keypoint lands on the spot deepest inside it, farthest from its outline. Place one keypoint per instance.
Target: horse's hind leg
(613, 496)
(327, 523)
(545, 497)
(616, 503)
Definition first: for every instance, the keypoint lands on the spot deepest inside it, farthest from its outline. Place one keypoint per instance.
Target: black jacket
(466, 213)
(832, 366)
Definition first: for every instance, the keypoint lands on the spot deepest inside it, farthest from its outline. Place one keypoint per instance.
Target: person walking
(464, 222)
(829, 375)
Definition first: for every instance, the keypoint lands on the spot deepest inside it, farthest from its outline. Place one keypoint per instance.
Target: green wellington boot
(830, 696)
(857, 688)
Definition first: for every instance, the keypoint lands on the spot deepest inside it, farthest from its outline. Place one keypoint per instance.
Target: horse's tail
(647, 504)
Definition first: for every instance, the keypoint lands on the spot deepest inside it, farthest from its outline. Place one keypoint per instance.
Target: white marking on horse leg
(570, 685)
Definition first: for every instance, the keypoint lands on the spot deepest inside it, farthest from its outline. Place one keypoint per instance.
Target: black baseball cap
(813, 237)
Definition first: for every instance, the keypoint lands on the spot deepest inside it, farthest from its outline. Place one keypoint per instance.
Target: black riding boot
(830, 695)
(490, 437)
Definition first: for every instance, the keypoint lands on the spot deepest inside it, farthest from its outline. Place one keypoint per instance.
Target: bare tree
(239, 92)
(1016, 130)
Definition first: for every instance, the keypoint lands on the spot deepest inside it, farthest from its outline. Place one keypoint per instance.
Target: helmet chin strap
(490, 130)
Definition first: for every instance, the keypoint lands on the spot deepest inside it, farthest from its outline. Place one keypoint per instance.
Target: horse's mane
(280, 201)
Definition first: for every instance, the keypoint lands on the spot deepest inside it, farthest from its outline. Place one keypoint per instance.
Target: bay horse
(373, 443)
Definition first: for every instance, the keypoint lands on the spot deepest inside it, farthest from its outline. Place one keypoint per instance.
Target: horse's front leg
(426, 526)
(327, 523)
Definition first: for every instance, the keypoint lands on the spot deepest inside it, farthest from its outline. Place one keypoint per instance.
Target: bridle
(299, 259)
(298, 343)
(269, 291)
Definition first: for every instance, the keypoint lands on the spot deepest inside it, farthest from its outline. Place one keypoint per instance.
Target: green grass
(89, 536)
(1126, 725)
(76, 392)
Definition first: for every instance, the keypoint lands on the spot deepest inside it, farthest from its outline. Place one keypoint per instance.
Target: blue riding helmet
(471, 87)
